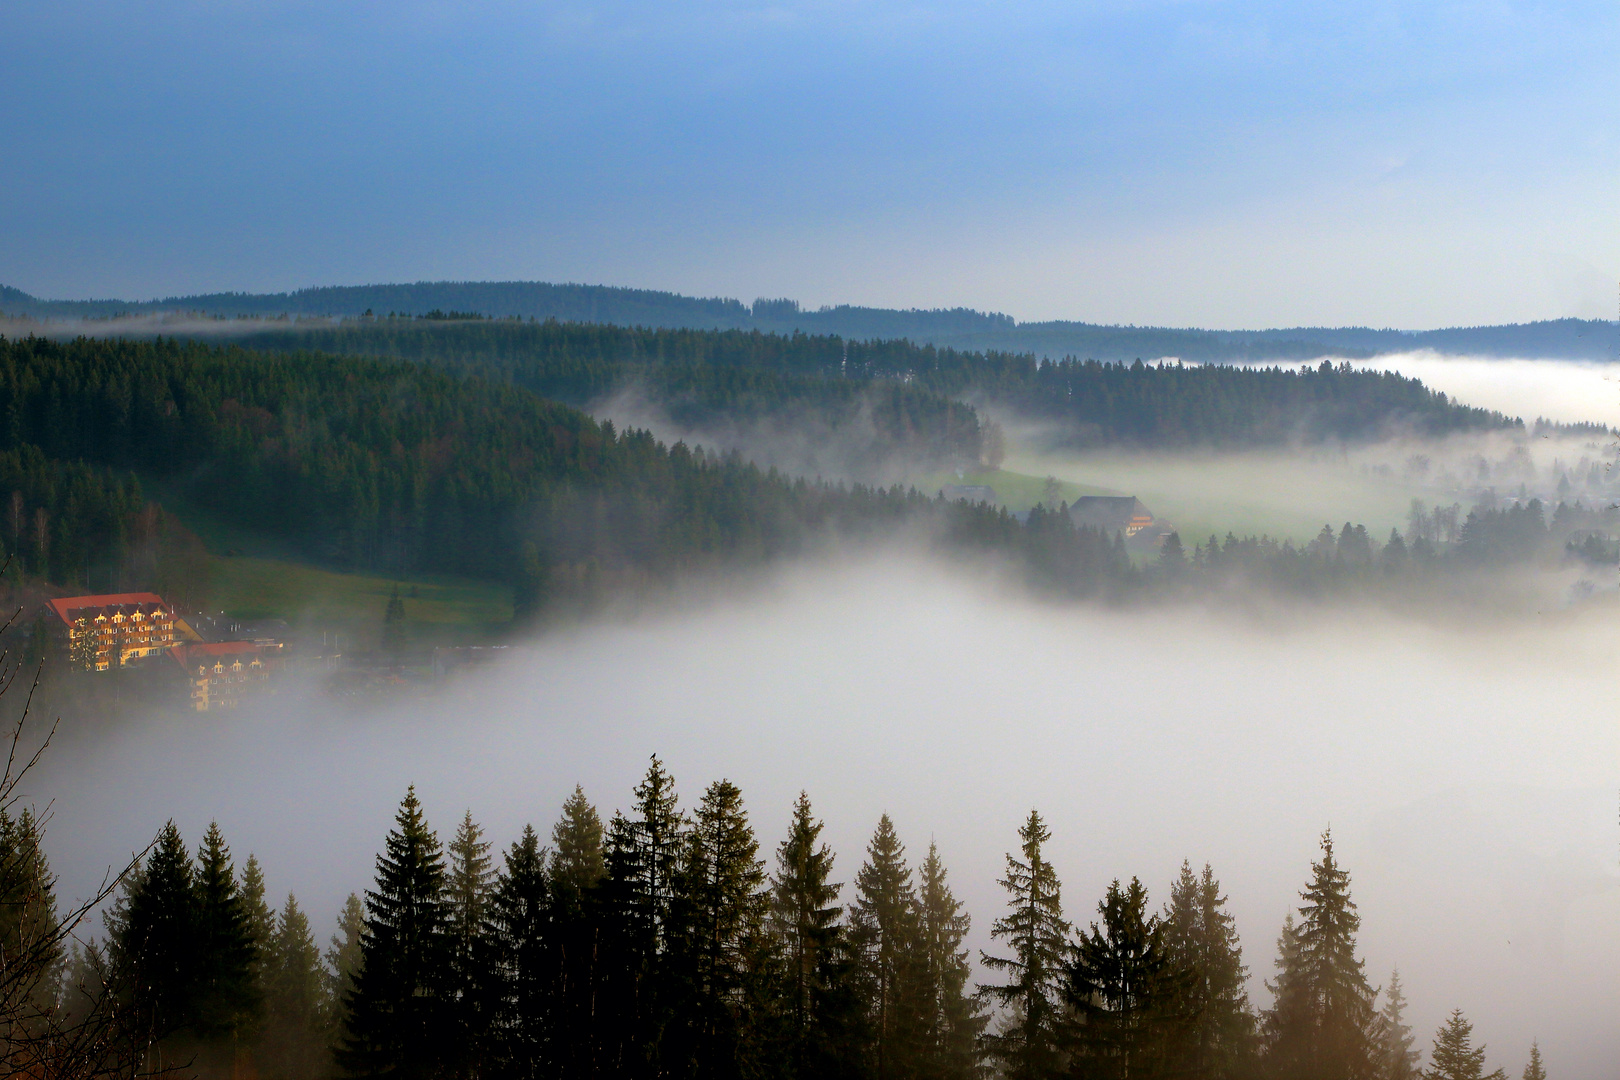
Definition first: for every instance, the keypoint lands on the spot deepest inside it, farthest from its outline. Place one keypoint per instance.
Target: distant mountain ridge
(959, 328)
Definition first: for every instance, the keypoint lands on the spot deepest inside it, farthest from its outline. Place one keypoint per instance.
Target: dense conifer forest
(668, 941)
(704, 374)
(461, 466)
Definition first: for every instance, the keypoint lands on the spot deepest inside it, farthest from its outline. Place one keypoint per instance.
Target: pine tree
(295, 1044)
(1201, 939)
(32, 955)
(472, 988)
(1125, 992)
(1454, 1056)
(723, 943)
(953, 1019)
(261, 923)
(576, 872)
(393, 635)
(883, 928)
(819, 1004)
(154, 951)
(1535, 1070)
(643, 870)
(228, 1003)
(1398, 1060)
(344, 955)
(83, 653)
(1322, 1025)
(397, 1015)
(577, 863)
(1027, 1044)
(521, 939)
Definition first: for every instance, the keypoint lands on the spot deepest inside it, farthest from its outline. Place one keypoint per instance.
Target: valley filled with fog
(1468, 770)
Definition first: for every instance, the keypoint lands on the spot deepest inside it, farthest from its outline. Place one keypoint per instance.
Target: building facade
(104, 632)
(220, 674)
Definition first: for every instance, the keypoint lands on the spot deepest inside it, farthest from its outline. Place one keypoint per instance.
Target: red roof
(63, 605)
(218, 648)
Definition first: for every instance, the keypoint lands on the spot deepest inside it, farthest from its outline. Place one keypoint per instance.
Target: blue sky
(1200, 162)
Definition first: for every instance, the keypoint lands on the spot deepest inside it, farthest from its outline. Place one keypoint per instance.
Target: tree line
(663, 943)
(1088, 402)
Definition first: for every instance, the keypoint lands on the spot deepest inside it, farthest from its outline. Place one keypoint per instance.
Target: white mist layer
(1564, 390)
(1469, 776)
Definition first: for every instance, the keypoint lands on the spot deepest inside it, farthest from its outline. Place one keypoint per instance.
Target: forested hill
(910, 389)
(958, 328)
(400, 467)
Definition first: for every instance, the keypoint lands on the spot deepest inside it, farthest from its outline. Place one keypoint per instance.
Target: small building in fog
(1122, 514)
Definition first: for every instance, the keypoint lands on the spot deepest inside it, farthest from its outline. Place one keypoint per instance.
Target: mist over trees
(671, 942)
(701, 376)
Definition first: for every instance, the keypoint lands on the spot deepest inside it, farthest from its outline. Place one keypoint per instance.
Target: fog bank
(1469, 775)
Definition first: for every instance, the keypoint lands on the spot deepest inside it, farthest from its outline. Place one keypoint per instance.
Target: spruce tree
(526, 1020)
(1322, 1025)
(228, 1003)
(1202, 942)
(472, 988)
(32, 956)
(820, 1006)
(398, 1023)
(576, 872)
(154, 946)
(1535, 1070)
(953, 1019)
(724, 948)
(344, 955)
(576, 861)
(1125, 991)
(643, 868)
(295, 1044)
(1454, 1056)
(1398, 1060)
(884, 930)
(1027, 1046)
(393, 635)
(261, 923)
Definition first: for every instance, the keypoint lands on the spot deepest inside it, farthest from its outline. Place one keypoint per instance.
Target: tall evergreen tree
(724, 949)
(1125, 991)
(472, 989)
(883, 927)
(819, 1004)
(1535, 1070)
(228, 1003)
(398, 1022)
(1027, 1046)
(576, 872)
(1201, 939)
(261, 922)
(1455, 1057)
(1322, 1025)
(1398, 1059)
(953, 1019)
(344, 955)
(526, 1021)
(32, 956)
(577, 861)
(295, 1044)
(154, 932)
(644, 866)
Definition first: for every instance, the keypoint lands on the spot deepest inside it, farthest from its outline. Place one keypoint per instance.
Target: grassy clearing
(256, 588)
(255, 577)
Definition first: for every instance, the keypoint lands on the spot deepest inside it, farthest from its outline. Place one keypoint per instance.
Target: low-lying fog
(1469, 773)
